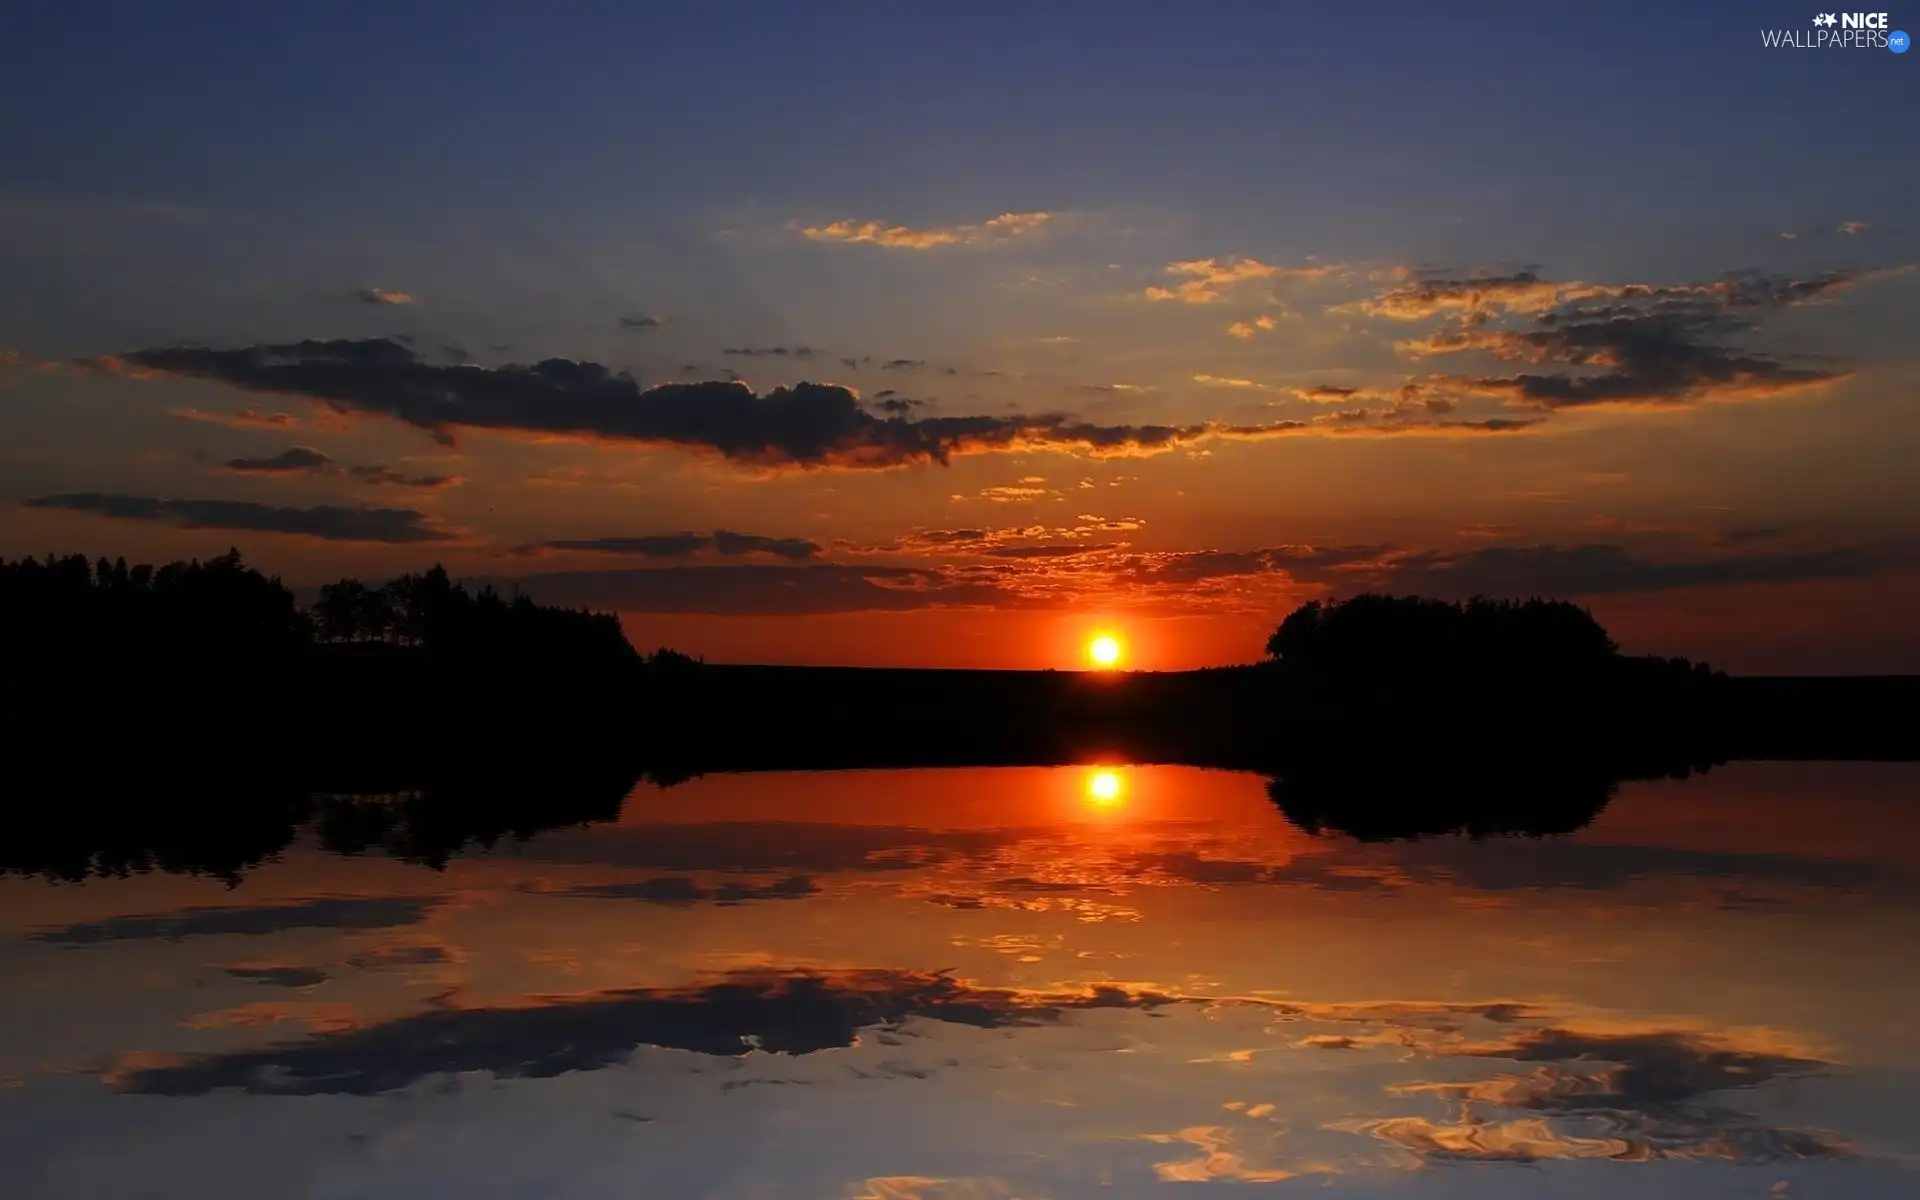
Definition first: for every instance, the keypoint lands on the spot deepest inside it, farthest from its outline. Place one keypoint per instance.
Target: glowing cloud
(1002, 228)
(374, 295)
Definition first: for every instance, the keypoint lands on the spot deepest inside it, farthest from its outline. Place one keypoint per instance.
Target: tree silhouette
(59, 609)
(339, 610)
(62, 608)
(437, 617)
(1376, 631)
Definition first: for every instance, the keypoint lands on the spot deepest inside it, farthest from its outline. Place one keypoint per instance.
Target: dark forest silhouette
(431, 613)
(1373, 629)
(142, 707)
(59, 609)
(419, 719)
(1370, 635)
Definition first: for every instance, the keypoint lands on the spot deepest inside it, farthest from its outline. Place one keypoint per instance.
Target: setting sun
(1104, 788)
(1104, 650)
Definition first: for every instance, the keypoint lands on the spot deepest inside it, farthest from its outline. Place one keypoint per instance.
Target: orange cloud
(1207, 276)
(1225, 381)
(1523, 291)
(1245, 329)
(927, 1187)
(1002, 228)
(246, 418)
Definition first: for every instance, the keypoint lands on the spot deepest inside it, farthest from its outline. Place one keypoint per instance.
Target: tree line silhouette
(227, 655)
(1369, 634)
(63, 607)
(1376, 716)
(57, 609)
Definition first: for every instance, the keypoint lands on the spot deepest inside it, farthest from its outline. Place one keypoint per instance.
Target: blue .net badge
(1898, 41)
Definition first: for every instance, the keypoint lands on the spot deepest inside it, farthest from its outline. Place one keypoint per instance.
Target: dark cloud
(323, 912)
(767, 590)
(769, 351)
(805, 425)
(686, 545)
(455, 355)
(657, 545)
(642, 322)
(382, 957)
(1327, 394)
(1630, 1096)
(1306, 563)
(1653, 1069)
(969, 581)
(1598, 570)
(951, 537)
(330, 522)
(780, 1012)
(293, 460)
(286, 977)
(381, 474)
(727, 542)
(679, 889)
(1499, 570)
(1661, 363)
(903, 364)
(1626, 345)
(305, 460)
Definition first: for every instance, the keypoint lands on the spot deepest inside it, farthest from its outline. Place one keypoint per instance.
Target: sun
(1104, 789)
(1104, 650)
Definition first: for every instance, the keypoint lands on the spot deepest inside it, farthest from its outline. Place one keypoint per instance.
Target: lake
(1057, 982)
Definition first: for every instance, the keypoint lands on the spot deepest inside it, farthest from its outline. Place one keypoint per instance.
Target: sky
(937, 336)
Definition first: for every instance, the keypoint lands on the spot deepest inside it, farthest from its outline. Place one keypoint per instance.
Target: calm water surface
(1030, 983)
